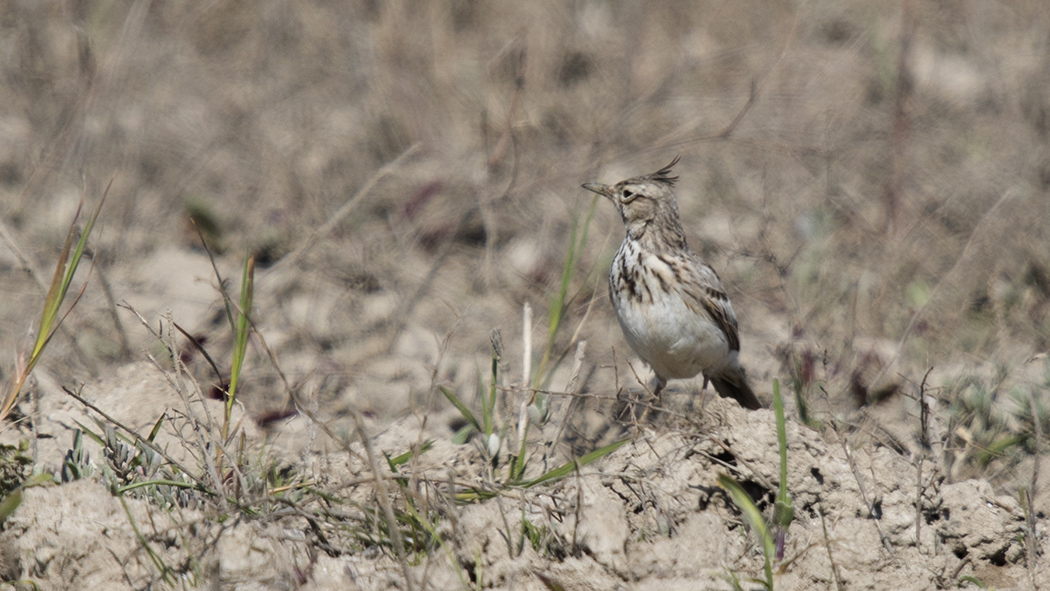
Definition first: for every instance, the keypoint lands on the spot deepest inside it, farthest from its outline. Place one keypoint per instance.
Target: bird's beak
(599, 188)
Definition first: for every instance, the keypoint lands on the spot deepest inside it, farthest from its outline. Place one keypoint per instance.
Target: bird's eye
(627, 194)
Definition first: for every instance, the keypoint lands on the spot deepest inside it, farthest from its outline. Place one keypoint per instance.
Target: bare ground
(869, 180)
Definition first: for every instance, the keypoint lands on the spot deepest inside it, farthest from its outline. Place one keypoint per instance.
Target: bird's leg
(660, 383)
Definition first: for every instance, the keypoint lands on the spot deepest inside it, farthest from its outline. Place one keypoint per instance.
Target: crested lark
(670, 303)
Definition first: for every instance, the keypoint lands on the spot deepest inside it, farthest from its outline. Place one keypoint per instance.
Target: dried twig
(924, 440)
(827, 545)
(384, 501)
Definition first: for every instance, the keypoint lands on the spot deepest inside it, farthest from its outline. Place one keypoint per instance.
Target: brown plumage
(670, 303)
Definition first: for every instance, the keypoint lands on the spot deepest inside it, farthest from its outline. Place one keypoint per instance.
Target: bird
(671, 305)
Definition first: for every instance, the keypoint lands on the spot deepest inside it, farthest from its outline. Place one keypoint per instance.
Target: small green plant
(239, 317)
(996, 423)
(535, 405)
(15, 464)
(516, 464)
(77, 463)
(50, 320)
(535, 534)
(417, 533)
(754, 519)
(783, 511)
(131, 465)
(241, 330)
(417, 525)
(14, 469)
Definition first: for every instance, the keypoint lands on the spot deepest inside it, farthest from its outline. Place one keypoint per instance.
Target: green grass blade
(747, 507)
(462, 408)
(161, 482)
(42, 479)
(156, 429)
(55, 298)
(243, 330)
(462, 435)
(474, 495)
(243, 326)
(56, 291)
(783, 510)
(753, 517)
(570, 467)
(400, 459)
(50, 320)
(9, 503)
(163, 569)
(94, 436)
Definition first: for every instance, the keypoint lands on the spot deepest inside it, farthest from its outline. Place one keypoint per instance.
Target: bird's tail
(732, 383)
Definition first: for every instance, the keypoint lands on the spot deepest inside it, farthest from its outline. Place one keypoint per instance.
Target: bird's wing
(704, 289)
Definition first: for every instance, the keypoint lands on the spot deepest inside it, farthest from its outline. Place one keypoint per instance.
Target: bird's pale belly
(673, 339)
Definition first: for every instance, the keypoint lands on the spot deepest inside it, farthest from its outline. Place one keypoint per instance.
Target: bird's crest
(664, 174)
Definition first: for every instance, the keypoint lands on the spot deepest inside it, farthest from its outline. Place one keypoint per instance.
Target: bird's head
(644, 202)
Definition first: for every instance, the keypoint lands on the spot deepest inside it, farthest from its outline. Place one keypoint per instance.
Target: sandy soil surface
(870, 180)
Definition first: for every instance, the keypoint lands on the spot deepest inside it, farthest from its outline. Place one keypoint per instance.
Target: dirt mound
(650, 515)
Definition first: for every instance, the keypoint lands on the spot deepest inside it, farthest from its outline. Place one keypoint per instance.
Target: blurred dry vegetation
(871, 180)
